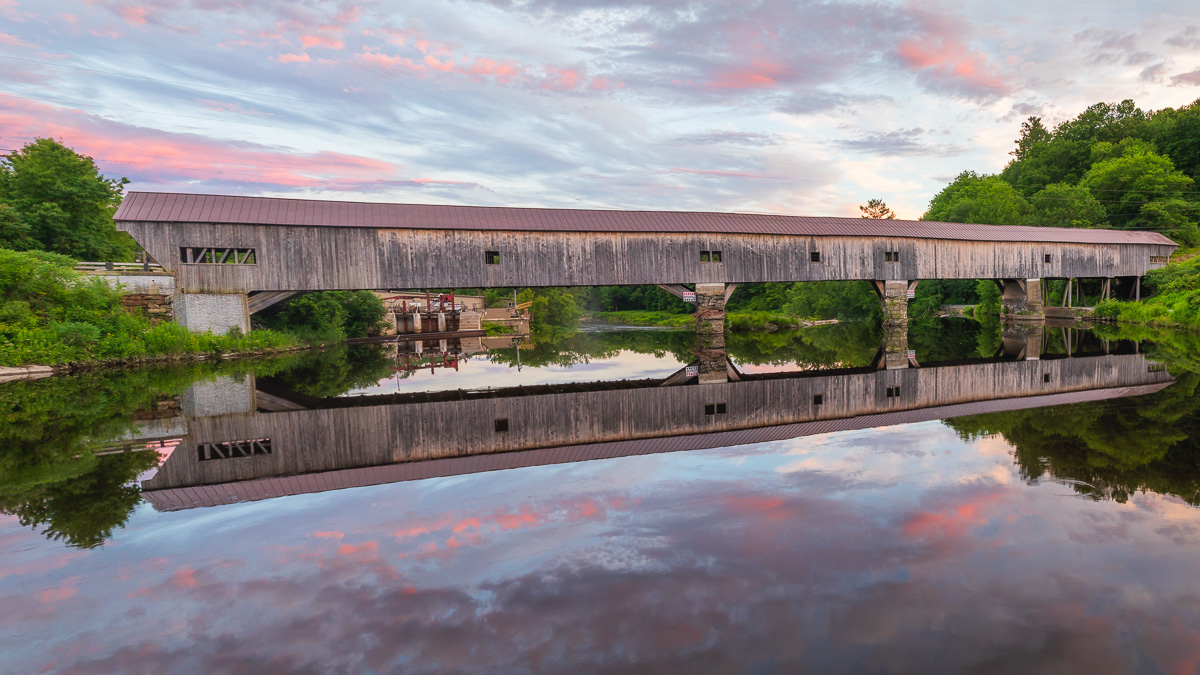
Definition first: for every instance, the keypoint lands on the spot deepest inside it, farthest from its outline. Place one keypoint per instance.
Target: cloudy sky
(795, 107)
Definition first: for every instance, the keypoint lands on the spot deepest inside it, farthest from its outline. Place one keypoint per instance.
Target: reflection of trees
(568, 349)
(950, 339)
(333, 372)
(841, 345)
(84, 509)
(49, 476)
(1108, 449)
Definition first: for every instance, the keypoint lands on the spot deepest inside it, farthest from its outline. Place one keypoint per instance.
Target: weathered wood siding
(321, 440)
(315, 258)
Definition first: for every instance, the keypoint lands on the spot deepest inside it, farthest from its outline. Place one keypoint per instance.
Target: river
(615, 501)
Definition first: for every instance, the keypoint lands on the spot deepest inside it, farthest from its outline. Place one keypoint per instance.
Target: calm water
(615, 501)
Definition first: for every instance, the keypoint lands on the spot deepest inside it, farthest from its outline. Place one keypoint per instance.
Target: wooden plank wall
(322, 440)
(316, 258)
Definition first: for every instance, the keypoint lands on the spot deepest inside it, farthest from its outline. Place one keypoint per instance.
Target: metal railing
(99, 267)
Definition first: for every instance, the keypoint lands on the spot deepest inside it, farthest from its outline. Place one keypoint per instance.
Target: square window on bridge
(502, 425)
(891, 256)
(217, 255)
(1046, 377)
(893, 392)
(714, 409)
(491, 257)
(815, 256)
(716, 256)
(1047, 258)
(818, 399)
(705, 256)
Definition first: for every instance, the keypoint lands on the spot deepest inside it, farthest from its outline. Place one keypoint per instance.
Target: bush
(51, 314)
(328, 315)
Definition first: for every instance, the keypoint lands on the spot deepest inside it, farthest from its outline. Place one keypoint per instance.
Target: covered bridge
(222, 248)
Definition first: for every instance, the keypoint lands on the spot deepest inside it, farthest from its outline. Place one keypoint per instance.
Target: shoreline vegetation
(758, 321)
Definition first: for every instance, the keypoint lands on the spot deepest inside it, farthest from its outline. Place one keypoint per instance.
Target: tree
(552, 307)
(1032, 133)
(1062, 205)
(1133, 180)
(1176, 133)
(62, 203)
(328, 315)
(972, 198)
(1110, 122)
(878, 210)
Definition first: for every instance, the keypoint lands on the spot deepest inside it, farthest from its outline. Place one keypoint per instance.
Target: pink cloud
(703, 172)
(307, 41)
(57, 594)
(443, 66)
(948, 63)
(302, 57)
(13, 41)
(185, 577)
(387, 61)
(168, 156)
(1192, 79)
(133, 15)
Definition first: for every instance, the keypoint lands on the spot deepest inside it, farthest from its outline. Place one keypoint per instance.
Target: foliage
(973, 198)
(328, 315)
(876, 209)
(551, 308)
(622, 298)
(1062, 205)
(51, 314)
(56, 200)
(1112, 165)
(647, 318)
(834, 300)
(1176, 302)
(826, 347)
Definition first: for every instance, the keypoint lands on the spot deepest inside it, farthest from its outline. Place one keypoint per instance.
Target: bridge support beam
(1021, 300)
(217, 313)
(710, 315)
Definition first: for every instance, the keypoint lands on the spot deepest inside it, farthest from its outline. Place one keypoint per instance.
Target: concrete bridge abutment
(1021, 300)
(217, 313)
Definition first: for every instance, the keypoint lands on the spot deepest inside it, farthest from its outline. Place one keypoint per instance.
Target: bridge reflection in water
(250, 440)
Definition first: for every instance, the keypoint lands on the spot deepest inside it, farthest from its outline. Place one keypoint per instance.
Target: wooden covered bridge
(234, 255)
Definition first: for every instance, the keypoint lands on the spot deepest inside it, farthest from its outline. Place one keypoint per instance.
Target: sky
(775, 106)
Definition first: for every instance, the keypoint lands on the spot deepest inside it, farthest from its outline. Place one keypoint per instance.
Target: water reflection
(851, 532)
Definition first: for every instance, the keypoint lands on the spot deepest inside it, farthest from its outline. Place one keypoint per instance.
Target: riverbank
(1175, 302)
(36, 371)
(767, 322)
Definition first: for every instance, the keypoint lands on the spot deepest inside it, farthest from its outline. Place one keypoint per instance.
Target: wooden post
(1138, 289)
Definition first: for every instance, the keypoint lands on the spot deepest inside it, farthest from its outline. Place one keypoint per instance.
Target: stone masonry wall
(156, 307)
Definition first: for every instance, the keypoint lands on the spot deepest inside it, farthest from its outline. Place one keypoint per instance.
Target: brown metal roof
(215, 209)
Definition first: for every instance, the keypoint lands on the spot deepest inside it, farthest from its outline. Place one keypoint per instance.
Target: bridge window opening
(215, 255)
(491, 257)
(1046, 378)
(232, 449)
(714, 409)
(814, 256)
(502, 425)
(818, 399)
(1047, 258)
(705, 256)
(893, 392)
(891, 256)
(1160, 259)
(1156, 368)
(716, 256)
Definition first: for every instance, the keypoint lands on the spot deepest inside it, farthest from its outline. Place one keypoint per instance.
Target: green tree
(328, 315)
(1032, 133)
(1062, 205)
(552, 307)
(61, 203)
(834, 300)
(1137, 178)
(1110, 122)
(1176, 132)
(973, 198)
(1056, 161)
(876, 209)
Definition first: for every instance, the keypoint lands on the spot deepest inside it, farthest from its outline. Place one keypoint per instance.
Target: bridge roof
(218, 209)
